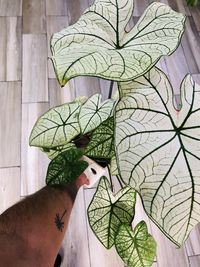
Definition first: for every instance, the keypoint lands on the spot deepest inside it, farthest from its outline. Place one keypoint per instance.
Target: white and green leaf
(102, 141)
(113, 166)
(137, 247)
(56, 127)
(65, 167)
(98, 45)
(93, 113)
(106, 212)
(158, 150)
(54, 152)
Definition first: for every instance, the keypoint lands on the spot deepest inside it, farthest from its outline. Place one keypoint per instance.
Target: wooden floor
(28, 88)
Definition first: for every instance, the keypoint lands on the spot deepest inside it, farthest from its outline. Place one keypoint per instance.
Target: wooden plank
(54, 24)
(10, 46)
(76, 9)
(34, 16)
(193, 242)
(194, 261)
(100, 256)
(195, 13)
(9, 187)
(58, 95)
(191, 46)
(35, 82)
(86, 86)
(140, 7)
(167, 253)
(177, 68)
(56, 7)
(33, 162)
(75, 247)
(10, 8)
(10, 123)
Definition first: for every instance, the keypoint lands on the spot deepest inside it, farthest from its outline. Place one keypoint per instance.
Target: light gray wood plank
(34, 163)
(177, 67)
(194, 261)
(10, 123)
(34, 16)
(191, 46)
(75, 247)
(56, 7)
(140, 7)
(10, 8)
(35, 81)
(193, 242)
(86, 86)
(10, 47)
(167, 253)
(100, 256)
(54, 24)
(76, 9)
(9, 187)
(195, 13)
(58, 95)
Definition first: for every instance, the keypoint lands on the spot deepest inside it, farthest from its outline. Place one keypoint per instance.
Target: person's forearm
(40, 220)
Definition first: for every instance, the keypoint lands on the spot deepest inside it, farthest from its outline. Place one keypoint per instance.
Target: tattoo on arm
(59, 221)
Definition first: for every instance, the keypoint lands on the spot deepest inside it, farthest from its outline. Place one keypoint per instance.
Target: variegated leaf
(56, 127)
(93, 113)
(102, 141)
(158, 150)
(54, 152)
(66, 167)
(106, 212)
(137, 248)
(98, 45)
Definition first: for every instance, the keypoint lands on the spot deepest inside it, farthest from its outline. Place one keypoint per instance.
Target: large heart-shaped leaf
(136, 248)
(102, 141)
(98, 45)
(66, 167)
(93, 113)
(56, 127)
(106, 212)
(158, 150)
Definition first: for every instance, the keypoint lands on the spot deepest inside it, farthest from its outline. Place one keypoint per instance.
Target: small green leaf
(98, 45)
(102, 142)
(192, 2)
(106, 212)
(93, 113)
(158, 150)
(54, 152)
(137, 248)
(56, 127)
(66, 167)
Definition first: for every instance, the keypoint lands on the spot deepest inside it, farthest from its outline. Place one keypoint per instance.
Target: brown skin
(29, 235)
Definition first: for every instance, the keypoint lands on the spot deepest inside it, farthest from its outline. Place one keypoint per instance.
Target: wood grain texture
(100, 256)
(195, 13)
(191, 46)
(34, 16)
(35, 81)
(10, 47)
(194, 261)
(11, 8)
(10, 123)
(75, 245)
(9, 186)
(34, 163)
(56, 7)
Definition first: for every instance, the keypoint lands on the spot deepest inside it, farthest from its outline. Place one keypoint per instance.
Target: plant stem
(119, 181)
(111, 182)
(111, 89)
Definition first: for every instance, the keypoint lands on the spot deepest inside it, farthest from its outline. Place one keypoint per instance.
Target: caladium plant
(152, 148)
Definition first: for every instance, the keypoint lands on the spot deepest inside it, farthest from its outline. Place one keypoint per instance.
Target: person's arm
(32, 230)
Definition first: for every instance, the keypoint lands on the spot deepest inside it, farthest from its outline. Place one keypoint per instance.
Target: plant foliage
(158, 150)
(98, 45)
